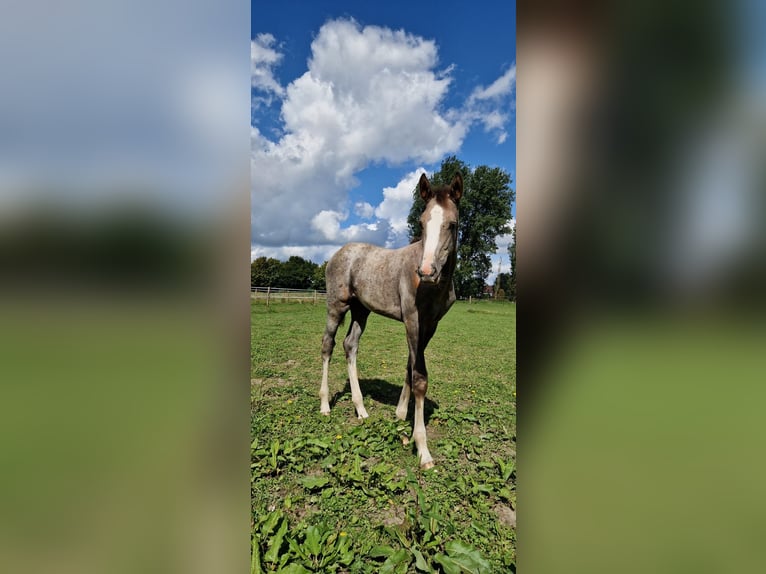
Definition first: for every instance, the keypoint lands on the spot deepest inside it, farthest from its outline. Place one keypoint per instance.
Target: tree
(319, 277)
(485, 210)
(511, 290)
(265, 272)
(504, 283)
(297, 273)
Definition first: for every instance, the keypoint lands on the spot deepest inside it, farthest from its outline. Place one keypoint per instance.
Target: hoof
(325, 413)
(362, 415)
(405, 440)
(427, 465)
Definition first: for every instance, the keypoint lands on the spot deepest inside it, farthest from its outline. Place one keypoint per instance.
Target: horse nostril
(426, 275)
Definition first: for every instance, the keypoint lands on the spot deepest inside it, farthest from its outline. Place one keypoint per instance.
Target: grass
(336, 494)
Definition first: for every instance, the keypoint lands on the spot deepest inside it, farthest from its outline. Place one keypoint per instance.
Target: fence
(282, 295)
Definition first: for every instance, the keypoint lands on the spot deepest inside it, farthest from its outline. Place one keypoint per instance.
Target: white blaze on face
(432, 232)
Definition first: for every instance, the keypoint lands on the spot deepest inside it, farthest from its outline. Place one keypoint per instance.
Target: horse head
(440, 225)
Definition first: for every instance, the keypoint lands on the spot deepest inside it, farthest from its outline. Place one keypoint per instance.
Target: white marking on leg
(404, 402)
(324, 390)
(356, 392)
(433, 227)
(419, 434)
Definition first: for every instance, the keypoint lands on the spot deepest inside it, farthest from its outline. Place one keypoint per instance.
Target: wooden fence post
(268, 295)
(315, 296)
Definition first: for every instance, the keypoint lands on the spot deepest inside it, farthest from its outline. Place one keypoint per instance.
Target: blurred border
(640, 255)
(124, 254)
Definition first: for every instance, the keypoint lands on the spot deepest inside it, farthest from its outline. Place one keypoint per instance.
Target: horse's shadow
(384, 392)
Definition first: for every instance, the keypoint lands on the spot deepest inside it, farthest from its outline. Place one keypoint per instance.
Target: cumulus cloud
(364, 209)
(395, 207)
(327, 223)
(369, 95)
(263, 58)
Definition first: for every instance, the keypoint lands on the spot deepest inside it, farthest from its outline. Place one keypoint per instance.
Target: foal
(412, 284)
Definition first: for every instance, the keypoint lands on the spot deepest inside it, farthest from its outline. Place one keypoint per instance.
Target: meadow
(338, 494)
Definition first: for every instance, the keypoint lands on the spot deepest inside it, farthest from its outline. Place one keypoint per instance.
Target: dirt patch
(299, 512)
(505, 514)
(392, 516)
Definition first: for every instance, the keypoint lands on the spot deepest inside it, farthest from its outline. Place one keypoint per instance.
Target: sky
(352, 101)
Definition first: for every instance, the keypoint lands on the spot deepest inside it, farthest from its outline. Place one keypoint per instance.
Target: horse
(412, 284)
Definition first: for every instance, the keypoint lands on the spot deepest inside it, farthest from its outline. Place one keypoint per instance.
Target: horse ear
(457, 187)
(425, 188)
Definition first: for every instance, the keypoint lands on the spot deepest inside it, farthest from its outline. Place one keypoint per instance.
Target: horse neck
(450, 265)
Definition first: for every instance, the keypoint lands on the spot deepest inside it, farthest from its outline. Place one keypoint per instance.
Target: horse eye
(452, 225)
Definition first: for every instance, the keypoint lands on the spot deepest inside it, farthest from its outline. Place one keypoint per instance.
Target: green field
(336, 494)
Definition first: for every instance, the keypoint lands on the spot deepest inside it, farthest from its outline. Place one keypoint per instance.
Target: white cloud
(494, 120)
(369, 95)
(503, 241)
(503, 86)
(263, 58)
(364, 209)
(327, 223)
(395, 207)
(491, 105)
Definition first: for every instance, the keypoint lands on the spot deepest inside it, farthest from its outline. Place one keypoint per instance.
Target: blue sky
(351, 101)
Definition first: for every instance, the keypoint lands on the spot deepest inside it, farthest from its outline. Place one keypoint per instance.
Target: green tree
(320, 282)
(297, 273)
(485, 210)
(265, 272)
(504, 283)
(511, 290)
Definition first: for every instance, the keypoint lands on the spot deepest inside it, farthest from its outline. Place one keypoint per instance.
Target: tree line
(295, 273)
(485, 212)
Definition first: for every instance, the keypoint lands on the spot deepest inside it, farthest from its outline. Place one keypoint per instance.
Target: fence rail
(284, 295)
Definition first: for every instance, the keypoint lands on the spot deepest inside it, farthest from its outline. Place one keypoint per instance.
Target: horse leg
(404, 398)
(359, 315)
(335, 314)
(417, 341)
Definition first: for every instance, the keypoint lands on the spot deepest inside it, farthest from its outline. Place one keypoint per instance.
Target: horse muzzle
(433, 277)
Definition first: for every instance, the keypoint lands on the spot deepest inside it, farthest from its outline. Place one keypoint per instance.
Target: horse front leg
(419, 388)
(335, 314)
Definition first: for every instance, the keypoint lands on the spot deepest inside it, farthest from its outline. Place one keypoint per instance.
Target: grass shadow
(386, 393)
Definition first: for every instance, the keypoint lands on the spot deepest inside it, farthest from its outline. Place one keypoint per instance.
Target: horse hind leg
(335, 315)
(404, 401)
(359, 316)
(404, 398)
